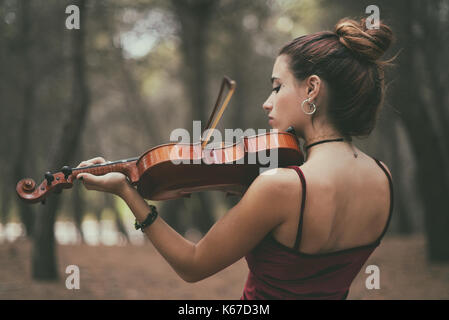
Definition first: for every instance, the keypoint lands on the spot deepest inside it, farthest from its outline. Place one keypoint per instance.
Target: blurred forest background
(138, 69)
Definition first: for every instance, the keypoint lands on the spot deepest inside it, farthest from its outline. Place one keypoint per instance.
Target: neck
(325, 143)
(320, 132)
(327, 149)
(315, 139)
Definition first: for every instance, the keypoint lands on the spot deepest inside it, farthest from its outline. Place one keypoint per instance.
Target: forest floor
(139, 272)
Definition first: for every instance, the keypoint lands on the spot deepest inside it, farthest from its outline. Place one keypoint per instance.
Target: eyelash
(276, 89)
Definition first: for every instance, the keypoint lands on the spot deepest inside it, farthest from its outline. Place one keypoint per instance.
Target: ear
(313, 84)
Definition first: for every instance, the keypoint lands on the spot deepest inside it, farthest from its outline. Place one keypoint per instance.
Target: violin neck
(125, 166)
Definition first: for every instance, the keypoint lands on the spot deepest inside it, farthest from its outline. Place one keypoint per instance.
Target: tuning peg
(67, 171)
(49, 177)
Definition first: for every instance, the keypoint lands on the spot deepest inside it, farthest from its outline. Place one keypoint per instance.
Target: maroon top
(280, 272)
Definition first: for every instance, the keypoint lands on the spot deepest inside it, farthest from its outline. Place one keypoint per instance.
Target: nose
(268, 104)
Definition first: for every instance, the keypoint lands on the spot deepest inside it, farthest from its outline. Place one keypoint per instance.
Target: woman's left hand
(113, 182)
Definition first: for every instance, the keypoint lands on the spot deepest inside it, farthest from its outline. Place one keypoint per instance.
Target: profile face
(284, 103)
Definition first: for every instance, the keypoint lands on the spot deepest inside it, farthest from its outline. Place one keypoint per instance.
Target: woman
(306, 232)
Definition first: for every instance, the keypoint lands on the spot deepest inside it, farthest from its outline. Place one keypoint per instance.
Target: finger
(83, 164)
(97, 160)
(88, 178)
(90, 181)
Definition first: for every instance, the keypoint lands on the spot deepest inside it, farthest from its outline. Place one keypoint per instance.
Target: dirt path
(139, 272)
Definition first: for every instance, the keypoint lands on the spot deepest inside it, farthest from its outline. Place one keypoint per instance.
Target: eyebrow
(274, 78)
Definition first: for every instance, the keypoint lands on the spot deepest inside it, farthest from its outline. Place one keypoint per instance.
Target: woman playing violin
(306, 232)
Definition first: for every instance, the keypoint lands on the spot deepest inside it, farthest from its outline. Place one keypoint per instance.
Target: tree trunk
(172, 211)
(195, 17)
(43, 253)
(44, 266)
(109, 203)
(78, 208)
(28, 103)
(5, 204)
(392, 156)
(430, 152)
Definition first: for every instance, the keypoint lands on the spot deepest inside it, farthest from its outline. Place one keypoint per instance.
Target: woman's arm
(231, 237)
(263, 207)
(177, 250)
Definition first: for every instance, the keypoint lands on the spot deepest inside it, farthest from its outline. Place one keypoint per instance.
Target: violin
(175, 170)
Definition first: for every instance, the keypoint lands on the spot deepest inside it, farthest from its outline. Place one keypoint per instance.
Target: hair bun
(369, 44)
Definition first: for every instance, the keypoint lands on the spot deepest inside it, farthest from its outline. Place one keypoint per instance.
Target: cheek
(286, 110)
(287, 102)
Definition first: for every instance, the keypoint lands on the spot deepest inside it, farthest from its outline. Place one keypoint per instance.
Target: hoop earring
(310, 104)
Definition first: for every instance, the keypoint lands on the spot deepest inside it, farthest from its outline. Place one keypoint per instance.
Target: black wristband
(148, 220)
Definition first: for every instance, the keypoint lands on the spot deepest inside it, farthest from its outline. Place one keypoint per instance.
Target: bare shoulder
(279, 186)
(275, 182)
(279, 176)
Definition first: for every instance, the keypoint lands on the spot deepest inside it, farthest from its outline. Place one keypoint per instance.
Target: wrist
(126, 190)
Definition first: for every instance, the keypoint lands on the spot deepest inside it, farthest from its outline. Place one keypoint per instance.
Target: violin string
(108, 163)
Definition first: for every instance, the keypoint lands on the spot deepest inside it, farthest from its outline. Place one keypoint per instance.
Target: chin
(273, 125)
(279, 128)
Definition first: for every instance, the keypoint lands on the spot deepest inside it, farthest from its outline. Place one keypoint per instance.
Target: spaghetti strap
(303, 202)
(390, 182)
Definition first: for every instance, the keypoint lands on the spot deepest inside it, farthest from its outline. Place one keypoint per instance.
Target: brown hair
(348, 59)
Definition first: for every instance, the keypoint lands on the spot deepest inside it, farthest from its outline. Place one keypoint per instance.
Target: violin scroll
(28, 191)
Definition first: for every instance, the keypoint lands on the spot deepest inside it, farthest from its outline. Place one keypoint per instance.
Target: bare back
(346, 206)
